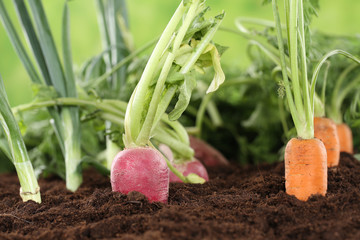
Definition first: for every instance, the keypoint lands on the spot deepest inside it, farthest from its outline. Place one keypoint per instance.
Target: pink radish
(208, 155)
(186, 168)
(143, 170)
(194, 166)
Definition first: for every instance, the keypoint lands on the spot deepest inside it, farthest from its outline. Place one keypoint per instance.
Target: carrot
(325, 130)
(342, 90)
(305, 156)
(345, 138)
(305, 168)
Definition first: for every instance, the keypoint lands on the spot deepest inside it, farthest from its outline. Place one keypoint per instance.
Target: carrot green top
(298, 94)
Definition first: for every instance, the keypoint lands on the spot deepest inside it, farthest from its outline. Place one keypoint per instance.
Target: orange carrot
(305, 168)
(345, 138)
(305, 156)
(325, 130)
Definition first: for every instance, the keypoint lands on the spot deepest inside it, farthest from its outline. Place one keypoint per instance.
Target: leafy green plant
(53, 73)
(17, 151)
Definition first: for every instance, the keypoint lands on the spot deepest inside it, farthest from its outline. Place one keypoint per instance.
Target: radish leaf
(185, 89)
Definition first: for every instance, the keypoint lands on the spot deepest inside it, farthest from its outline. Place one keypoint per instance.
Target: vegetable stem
(299, 96)
(289, 95)
(29, 186)
(145, 131)
(136, 103)
(336, 102)
(293, 54)
(109, 113)
(72, 150)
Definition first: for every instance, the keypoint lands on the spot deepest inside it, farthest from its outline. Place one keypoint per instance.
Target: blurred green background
(147, 20)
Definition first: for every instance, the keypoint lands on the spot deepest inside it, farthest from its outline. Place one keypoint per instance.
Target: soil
(237, 203)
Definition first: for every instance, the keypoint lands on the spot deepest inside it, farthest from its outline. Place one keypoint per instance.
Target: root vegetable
(345, 138)
(208, 155)
(185, 168)
(143, 170)
(189, 167)
(305, 168)
(325, 130)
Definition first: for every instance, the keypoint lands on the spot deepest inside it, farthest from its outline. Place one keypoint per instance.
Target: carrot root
(305, 168)
(325, 130)
(345, 138)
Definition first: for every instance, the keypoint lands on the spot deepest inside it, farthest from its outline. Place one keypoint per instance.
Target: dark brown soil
(238, 203)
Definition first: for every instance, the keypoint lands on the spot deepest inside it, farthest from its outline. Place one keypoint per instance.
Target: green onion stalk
(113, 23)
(30, 189)
(65, 121)
(70, 116)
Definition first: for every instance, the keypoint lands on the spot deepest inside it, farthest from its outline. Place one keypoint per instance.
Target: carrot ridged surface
(305, 168)
(345, 138)
(325, 130)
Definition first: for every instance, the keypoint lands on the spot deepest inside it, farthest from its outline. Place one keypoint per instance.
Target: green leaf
(67, 57)
(185, 89)
(19, 154)
(18, 46)
(219, 76)
(175, 78)
(311, 8)
(322, 61)
(183, 54)
(30, 33)
(113, 23)
(42, 92)
(221, 49)
(102, 22)
(48, 46)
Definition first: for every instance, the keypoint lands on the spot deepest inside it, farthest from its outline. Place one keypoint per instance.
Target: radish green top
(183, 47)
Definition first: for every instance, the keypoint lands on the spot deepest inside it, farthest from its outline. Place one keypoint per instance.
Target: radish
(143, 170)
(186, 38)
(186, 167)
(208, 155)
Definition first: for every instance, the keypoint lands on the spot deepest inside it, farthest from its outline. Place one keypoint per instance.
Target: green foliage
(311, 8)
(241, 119)
(185, 89)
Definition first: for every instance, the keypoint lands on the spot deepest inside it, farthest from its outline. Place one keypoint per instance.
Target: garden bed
(237, 203)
